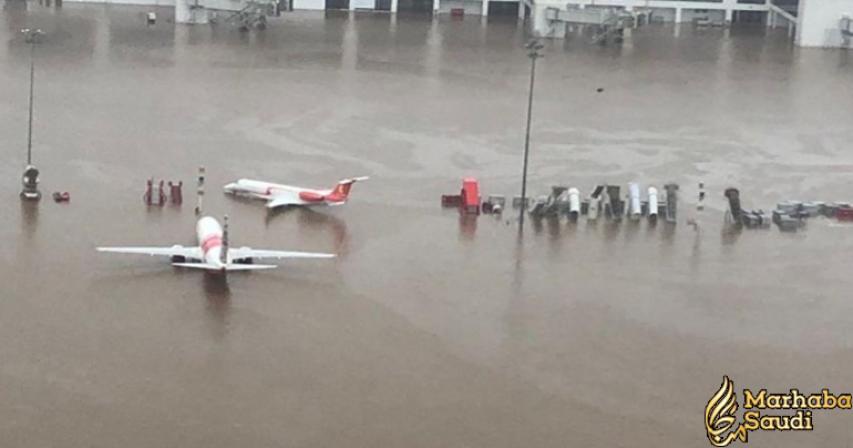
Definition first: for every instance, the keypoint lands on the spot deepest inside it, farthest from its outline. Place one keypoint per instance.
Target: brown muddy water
(427, 331)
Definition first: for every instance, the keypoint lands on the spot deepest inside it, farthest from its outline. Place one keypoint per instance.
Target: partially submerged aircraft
(278, 195)
(213, 252)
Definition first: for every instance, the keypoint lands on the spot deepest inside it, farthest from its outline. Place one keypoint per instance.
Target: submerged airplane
(213, 252)
(278, 195)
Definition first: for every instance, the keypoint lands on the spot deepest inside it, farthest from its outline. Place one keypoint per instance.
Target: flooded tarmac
(428, 330)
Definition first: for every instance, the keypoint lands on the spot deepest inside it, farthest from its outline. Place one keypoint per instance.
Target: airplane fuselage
(259, 188)
(290, 194)
(210, 240)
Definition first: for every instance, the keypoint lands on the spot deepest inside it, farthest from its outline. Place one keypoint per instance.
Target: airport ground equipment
(735, 211)
(574, 204)
(155, 194)
(538, 207)
(737, 216)
(635, 209)
(517, 202)
(61, 196)
(671, 211)
(844, 214)
(593, 204)
(652, 205)
(468, 199)
(470, 196)
(175, 192)
(614, 206)
(787, 223)
(253, 15)
(494, 204)
(554, 205)
(755, 219)
(609, 24)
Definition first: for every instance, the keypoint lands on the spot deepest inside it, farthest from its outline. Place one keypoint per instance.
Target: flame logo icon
(720, 416)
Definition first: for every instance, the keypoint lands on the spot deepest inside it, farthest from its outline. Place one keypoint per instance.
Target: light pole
(31, 174)
(533, 48)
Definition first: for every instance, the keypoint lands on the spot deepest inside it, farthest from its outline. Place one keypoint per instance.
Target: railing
(791, 7)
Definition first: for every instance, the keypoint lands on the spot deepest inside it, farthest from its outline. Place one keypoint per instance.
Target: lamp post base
(31, 195)
(30, 181)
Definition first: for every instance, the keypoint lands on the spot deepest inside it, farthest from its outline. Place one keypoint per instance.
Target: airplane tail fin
(342, 189)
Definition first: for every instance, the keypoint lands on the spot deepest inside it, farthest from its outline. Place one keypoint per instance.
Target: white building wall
(819, 22)
(309, 4)
(128, 2)
(362, 4)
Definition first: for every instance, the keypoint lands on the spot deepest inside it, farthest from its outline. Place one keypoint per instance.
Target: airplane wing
(281, 201)
(174, 251)
(247, 252)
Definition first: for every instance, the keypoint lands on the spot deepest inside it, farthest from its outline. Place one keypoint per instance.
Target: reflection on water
(668, 233)
(336, 227)
(29, 218)
(695, 250)
(310, 220)
(536, 223)
(730, 234)
(554, 227)
(218, 295)
(631, 230)
(517, 274)
(611, 230)
(467, 226)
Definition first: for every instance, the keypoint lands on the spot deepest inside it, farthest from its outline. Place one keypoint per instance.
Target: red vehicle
(468, 199)
(61, 196)
(844, 214)
(470, 196)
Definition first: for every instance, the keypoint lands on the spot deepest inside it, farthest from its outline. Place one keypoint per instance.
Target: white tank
(574, 203)
(653, 203)
(634, 208)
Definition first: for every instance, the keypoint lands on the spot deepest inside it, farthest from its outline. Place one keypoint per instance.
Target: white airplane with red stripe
(278, 195)
(213, 252)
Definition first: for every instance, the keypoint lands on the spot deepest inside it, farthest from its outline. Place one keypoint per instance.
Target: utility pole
(31, 173)
(533, 48)
(200, 190)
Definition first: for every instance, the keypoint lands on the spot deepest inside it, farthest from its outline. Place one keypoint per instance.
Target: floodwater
(428, 330)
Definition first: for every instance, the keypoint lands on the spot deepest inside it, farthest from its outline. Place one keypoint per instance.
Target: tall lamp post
(31, 174)
(533, 48)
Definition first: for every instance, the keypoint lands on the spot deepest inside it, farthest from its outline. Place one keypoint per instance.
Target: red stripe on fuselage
(211, 242)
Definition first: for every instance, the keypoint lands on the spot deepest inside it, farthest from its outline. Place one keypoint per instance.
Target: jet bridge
(609, 23)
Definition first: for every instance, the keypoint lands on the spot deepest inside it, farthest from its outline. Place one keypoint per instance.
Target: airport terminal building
(811, 23)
